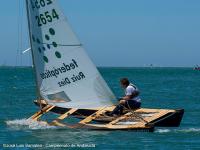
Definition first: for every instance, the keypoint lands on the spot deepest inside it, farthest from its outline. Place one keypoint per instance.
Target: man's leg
(131, 104)
(118, 110)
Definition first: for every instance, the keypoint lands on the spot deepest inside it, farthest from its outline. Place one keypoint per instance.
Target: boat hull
(169, 119)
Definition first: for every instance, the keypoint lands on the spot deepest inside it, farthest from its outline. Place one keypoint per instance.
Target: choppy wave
(185, 130)
(197, 130)
(28, 123)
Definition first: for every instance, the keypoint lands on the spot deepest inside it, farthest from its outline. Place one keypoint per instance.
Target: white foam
(28, 123)
(197, 130)
(162, 130)
(185, 130)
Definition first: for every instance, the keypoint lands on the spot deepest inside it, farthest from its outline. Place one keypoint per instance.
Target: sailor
(131, 100)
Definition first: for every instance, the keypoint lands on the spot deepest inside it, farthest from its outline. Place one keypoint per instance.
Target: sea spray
(162, 130)
(28, 123)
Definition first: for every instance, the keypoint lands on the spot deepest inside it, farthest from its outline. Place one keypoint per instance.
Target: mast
(33, 60)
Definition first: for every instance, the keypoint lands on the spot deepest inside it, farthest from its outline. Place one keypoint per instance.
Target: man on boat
(131, 100)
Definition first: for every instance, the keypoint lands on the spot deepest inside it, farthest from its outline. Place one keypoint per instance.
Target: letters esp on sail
(63, 69)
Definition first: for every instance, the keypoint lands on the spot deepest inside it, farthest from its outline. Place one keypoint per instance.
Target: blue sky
(116, 32)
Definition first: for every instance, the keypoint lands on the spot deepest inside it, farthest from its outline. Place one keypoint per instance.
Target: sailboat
(196, 67)
(69, 84)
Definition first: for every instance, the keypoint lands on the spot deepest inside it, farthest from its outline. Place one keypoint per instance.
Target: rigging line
(135, 114)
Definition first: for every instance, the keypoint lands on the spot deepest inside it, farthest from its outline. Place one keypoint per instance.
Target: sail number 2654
(43, 19)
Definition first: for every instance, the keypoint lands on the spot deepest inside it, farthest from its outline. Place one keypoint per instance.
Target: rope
(136, 115)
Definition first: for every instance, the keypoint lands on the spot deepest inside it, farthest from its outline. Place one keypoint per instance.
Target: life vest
(137, 92)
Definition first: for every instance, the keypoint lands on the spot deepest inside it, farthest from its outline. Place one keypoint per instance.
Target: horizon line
(1, 66)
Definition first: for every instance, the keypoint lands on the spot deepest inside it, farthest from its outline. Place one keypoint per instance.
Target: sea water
(160, 88)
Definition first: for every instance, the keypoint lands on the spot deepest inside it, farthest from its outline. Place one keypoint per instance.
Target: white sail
(63, 69)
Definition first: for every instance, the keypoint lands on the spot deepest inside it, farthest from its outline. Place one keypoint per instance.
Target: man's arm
(124, 99)
(127, 97)
(130, 94)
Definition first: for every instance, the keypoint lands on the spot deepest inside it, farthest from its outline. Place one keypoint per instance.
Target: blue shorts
(132, 104)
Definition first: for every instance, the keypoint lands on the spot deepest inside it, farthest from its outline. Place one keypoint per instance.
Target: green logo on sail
(46, 46)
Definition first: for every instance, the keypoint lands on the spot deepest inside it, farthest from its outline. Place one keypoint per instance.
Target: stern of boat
(172, 119)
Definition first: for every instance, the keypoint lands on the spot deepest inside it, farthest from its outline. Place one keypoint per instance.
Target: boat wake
(162, 130)
(28, 124)
(184, 130)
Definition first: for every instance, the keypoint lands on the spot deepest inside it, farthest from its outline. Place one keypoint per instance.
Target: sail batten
(75, 45)
(63, 69)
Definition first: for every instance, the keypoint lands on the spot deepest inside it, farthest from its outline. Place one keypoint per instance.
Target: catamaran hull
(170, 119)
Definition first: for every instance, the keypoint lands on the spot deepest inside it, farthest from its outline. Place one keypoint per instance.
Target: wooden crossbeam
(63, 116)
(40, 111)
(93, 116)
(119, 118)
(57, 123)
(44, 110)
